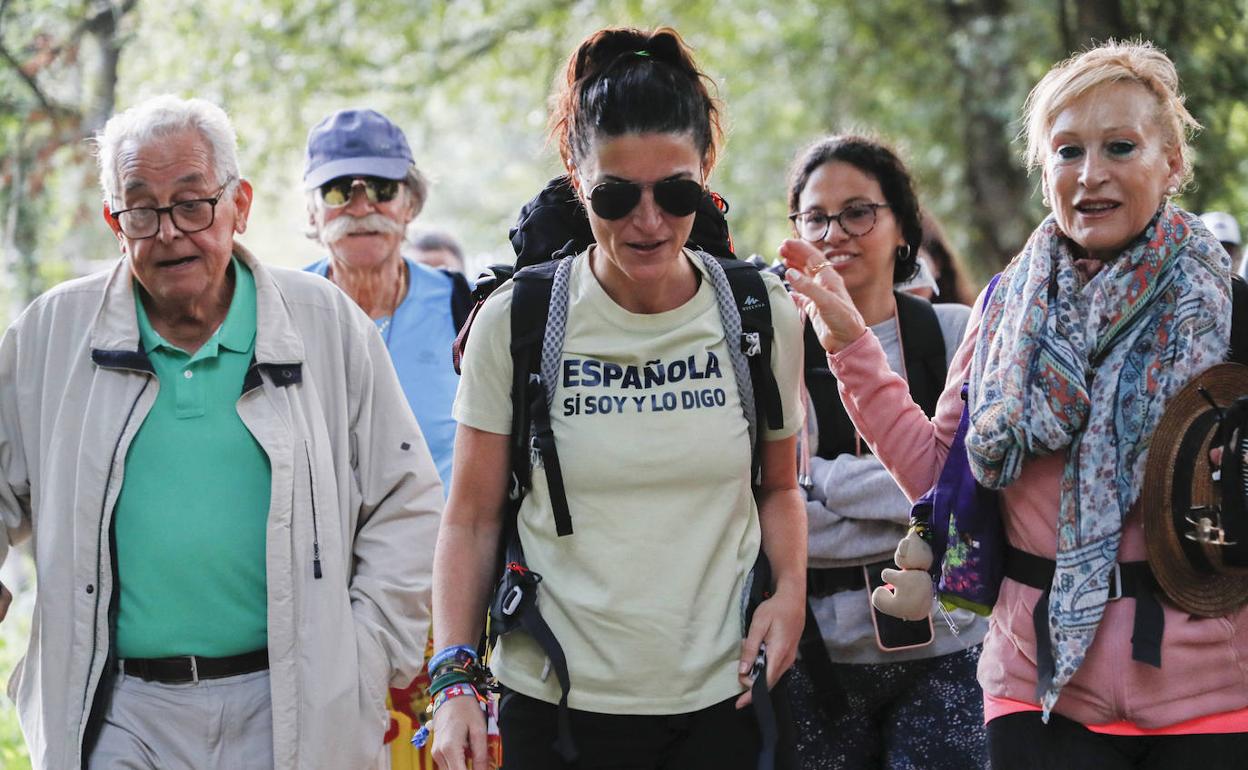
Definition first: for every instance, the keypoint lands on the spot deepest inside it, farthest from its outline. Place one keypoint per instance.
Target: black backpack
(551, 227)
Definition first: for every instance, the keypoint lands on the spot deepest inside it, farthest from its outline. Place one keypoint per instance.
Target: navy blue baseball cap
(351, 142)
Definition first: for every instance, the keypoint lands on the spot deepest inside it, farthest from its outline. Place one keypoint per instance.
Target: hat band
(1234, 484)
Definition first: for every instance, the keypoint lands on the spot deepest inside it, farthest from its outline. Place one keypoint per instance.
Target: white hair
(161, 116)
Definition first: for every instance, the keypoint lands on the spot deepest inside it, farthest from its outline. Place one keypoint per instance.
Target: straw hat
(1198, 537)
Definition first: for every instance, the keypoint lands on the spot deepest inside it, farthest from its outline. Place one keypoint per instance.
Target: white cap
(1223, 226)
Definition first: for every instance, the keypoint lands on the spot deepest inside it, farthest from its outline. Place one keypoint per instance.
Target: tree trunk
(49, 126)
(1097, 21)
(999, 193)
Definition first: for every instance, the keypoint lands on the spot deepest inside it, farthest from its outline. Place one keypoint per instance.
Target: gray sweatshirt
(856, 516)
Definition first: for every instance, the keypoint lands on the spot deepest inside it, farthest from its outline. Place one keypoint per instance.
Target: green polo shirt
(191, 518)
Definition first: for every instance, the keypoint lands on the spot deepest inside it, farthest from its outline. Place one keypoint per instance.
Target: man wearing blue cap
(363, 189)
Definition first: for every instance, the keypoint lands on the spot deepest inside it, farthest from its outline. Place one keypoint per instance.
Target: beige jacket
(351, 476)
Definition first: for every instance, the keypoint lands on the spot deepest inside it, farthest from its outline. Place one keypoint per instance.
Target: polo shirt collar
(238, 330)
(278, 341)
(235, 333)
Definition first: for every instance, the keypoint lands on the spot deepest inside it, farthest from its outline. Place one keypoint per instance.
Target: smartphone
(892, 634)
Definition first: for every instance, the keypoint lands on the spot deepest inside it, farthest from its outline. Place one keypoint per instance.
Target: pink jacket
(1204, 661)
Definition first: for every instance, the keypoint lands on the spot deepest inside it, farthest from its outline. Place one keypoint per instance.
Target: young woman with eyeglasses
(645, 596)
(869, 691)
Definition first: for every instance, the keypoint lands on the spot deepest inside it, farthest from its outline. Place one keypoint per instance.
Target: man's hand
(6, 598)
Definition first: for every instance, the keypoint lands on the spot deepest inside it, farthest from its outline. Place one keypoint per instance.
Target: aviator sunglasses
(337, 192)
(614, 200)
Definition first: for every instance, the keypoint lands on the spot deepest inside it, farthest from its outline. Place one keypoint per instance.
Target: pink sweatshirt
(1204, 661)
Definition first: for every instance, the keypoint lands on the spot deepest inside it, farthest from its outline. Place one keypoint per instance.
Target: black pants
(716, 738)
(1022, 742)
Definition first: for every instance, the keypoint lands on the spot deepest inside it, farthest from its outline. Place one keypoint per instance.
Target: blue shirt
(419, 338)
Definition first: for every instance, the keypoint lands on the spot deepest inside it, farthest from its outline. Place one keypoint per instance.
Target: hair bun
(604, 48)
(664, 46)
(626, 46)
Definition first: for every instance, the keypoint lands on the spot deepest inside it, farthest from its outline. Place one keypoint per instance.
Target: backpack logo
(751, 343)
(751, 303)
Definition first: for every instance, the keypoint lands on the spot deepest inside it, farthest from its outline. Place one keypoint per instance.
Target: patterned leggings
(919, 715)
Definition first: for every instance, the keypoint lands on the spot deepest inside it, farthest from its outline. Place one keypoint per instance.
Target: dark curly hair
(878, 160)
(620, 81)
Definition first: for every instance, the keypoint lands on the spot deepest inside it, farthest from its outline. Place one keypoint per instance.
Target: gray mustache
(346, 224)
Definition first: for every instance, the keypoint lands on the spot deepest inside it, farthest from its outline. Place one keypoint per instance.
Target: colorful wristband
(452, 691)
(460, 653)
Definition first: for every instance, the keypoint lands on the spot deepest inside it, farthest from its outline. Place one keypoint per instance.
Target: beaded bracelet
(921, 527)
(450, 673)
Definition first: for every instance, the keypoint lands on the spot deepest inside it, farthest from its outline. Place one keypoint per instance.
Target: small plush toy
(912, 588)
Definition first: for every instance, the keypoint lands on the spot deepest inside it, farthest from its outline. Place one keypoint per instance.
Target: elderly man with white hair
(232, 505)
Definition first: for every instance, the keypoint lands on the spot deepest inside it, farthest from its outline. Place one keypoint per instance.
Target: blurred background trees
(944, 79)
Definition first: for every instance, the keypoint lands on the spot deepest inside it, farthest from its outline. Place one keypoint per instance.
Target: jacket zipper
(316, 542)
(108, 481)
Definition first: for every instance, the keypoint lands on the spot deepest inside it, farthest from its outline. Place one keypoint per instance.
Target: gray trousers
(215, 723)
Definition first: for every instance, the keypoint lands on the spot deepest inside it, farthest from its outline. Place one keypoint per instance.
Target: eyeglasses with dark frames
(857, 219)
(188, 216)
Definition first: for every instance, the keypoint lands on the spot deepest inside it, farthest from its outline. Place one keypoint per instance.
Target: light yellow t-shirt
(646, 595)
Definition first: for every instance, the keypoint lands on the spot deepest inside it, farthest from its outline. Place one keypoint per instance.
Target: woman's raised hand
(822, 295)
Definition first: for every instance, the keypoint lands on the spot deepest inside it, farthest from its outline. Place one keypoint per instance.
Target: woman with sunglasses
(645, 597)
(867, 686)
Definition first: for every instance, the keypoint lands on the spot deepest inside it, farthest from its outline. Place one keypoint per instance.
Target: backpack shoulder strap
(837, 434)
(749, 295)
(923, 349)
(489, 280)
(1239, 321)
(749, 290)
(530, 422)
(530, 303)
(461, 298)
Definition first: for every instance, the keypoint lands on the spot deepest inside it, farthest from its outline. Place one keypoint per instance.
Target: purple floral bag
(961, 521)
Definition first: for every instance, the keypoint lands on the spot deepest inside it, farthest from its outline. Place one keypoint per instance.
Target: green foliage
(14, 631)
(469, 80)
(12, 746)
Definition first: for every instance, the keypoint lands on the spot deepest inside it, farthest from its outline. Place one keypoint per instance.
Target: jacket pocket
(15, 679)
(374, 673)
